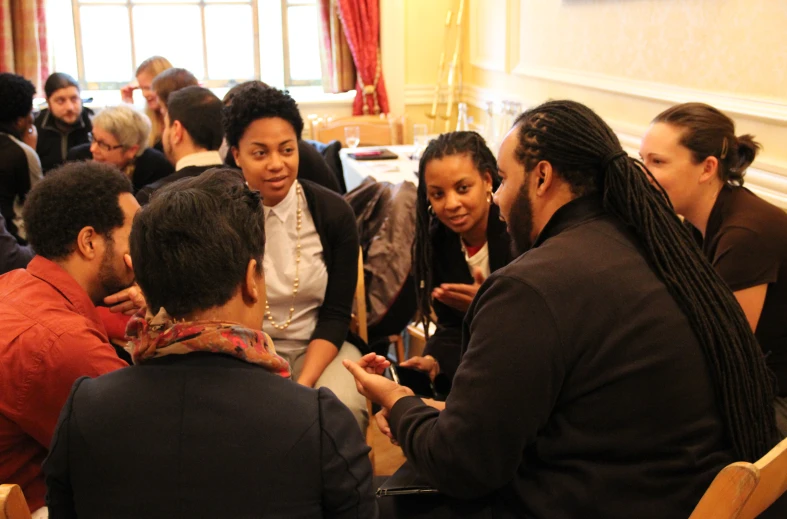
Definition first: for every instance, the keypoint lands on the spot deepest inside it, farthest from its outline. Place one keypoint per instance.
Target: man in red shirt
(78, 220)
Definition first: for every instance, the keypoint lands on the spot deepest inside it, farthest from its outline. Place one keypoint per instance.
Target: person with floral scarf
(207, 423)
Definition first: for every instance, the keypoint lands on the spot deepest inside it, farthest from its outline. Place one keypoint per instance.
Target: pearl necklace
(296, 281)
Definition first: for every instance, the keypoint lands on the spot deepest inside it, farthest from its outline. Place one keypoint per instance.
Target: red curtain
(23, 45)
(361, 22)
(338, 70)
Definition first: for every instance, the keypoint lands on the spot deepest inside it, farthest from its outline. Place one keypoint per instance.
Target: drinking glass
(420, 140)
(352, 136)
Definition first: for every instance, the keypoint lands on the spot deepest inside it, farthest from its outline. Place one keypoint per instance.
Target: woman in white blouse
(311, 248)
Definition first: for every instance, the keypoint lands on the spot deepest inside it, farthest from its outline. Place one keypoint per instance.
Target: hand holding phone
(418, 381)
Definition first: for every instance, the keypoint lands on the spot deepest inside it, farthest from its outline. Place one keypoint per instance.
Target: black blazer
(335, 222)
(206, 435)
(150, 166)
(449, 266)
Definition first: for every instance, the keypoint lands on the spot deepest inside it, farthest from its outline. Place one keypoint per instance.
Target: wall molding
(756, 108)
(765, 177)
(506, 36)
(424, 94)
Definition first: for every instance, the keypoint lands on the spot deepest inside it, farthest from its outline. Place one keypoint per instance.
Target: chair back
(728, 492)
(382, 130)
(358, 322)
(772, 484)
(745, 490)
(12, 503)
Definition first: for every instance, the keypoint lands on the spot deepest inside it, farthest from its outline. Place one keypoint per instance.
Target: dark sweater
(335, 223)
(206, 435)
(144, 194)
(150, 166)
(582, 390)
(746, 242)
(55, 142)
(449, 266)
(19, 171)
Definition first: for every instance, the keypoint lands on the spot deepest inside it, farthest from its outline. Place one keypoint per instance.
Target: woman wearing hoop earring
(460, 240)
(311, 256)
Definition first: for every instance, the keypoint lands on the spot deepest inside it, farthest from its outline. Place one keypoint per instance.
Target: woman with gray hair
(120, 137)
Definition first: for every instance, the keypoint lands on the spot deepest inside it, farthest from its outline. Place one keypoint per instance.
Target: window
(101, 42)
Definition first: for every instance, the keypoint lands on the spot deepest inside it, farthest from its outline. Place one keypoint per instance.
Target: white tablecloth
(394, 170)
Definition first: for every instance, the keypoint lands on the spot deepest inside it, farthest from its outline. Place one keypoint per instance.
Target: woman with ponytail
(459, 241)
(693, 152)
(606, 372)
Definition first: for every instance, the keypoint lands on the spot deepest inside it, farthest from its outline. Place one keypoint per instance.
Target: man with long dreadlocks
(606, 372)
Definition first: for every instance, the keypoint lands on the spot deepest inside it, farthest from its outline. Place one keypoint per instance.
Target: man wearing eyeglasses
(64, 124)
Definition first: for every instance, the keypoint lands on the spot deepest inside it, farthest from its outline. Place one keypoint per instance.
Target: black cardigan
(449, 266)
(179, 422)
(335, 223)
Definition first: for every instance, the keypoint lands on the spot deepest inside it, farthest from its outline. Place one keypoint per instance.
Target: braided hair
(446, 145)
(586, 153)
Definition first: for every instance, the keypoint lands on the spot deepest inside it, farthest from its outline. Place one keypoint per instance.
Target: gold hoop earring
(489, 197)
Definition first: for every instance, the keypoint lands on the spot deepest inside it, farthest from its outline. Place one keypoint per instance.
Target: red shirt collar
(52, 273)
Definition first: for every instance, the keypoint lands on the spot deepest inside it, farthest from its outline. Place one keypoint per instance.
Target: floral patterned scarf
(153, 337)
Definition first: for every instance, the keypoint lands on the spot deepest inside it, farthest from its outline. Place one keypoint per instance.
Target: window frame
(209, 83)
(285, 5)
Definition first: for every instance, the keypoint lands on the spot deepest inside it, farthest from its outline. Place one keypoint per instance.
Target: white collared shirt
(279, 265)
(201, 158)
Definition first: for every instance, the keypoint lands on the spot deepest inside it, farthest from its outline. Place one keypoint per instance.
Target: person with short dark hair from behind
(169, 81)
(120, 137)
(20, 168)
(64, 124)
(311, 164)
(695, 155)
(607, 371)
(311, 265)
(208, 407)
(192, 135)
(78, 220)
(459, 241)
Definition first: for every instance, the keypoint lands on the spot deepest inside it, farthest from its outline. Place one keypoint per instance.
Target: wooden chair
(12, 503)
(375, 130)
(745, 490)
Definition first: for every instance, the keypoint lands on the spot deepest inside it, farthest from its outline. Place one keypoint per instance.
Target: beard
(520, 222)
(109, 279)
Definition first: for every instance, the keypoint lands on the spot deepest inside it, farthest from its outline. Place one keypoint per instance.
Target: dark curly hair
(445, 145)
(254, 101)
(69, 198)
(17, 95)
(182, 264)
